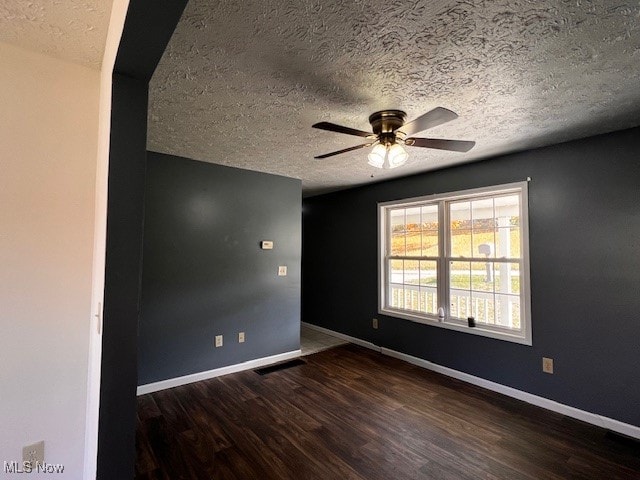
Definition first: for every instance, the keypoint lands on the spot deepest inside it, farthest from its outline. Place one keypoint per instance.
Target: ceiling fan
(390, 133)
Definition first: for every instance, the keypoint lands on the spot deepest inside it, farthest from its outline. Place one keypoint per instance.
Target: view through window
(449, 257)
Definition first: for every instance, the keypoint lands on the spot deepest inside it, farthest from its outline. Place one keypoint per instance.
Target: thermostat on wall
(266, 245)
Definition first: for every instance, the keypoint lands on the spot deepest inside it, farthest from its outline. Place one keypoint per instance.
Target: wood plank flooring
(350, 413)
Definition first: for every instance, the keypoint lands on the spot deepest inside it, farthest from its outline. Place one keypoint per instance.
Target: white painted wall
(48, 160)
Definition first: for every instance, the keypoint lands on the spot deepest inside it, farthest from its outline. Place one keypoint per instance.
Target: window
(445, 258)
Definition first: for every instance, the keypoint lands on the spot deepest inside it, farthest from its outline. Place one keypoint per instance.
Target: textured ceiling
(241, 83)
(74, 30)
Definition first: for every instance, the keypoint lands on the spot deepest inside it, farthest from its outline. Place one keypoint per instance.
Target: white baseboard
(216, 372)
(592, 418)
(342, 336)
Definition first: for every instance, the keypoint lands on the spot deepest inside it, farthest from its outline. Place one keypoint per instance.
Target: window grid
(488, 282)
(412, 279)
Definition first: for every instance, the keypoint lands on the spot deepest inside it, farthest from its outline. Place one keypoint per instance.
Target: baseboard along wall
(216, 372)
(588, 417)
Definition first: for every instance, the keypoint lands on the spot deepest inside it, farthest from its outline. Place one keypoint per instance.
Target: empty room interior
(320, 240)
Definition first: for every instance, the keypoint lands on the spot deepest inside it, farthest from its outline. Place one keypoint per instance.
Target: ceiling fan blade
(431, 119)
(344, 150)
(440, 144)
(332, 127)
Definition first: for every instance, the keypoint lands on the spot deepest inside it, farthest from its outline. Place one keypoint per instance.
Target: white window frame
(523, 336)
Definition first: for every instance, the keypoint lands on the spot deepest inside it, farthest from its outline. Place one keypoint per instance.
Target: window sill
(523, 338)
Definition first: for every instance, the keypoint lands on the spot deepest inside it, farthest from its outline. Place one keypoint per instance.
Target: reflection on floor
(312, 341)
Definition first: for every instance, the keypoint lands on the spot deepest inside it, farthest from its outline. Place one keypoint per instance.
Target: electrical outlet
(33, 453)
(374, 323)
(241, 337)
(282, 271)
(547, 365)
(218, 341)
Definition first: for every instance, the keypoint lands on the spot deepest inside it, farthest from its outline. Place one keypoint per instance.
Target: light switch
(266, 245)
(282, 271)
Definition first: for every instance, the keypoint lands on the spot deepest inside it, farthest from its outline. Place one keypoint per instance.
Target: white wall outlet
(33, 453)
(282, 271)
(547, 365)
(218, 341)
(266, 245)
(374, 323)
(241, 337)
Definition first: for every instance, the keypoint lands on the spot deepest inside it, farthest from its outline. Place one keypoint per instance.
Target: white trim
(114, 33)
(588, 417)
(216, 372)
(442, 200)
(354, 340)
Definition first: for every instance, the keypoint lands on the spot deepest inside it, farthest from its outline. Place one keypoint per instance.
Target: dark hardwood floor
(350, 413)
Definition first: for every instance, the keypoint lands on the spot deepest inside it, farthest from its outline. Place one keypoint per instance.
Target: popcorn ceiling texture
(73, 30)
(241, 83)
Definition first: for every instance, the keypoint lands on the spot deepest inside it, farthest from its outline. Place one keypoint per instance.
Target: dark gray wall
(204, 273)
(116, 424)
(584, 218)
(147, 29)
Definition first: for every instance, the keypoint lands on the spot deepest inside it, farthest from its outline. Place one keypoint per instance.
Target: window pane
(429, 243)
(396, 297)
(508, 242)
(430, 217)
(397, 232)
(460, 227)
(430, 305)
(396, 272)
(461, 243)
(460, 305)
(508, 221)
(482, 215)
(411, 272)
(460, 215)
(484, 227)
(484, 244)
(507, 278)
(508, 311)
(412, 230)
(413, 219)
(483, 307)
(413, 243)
(396, 289)
(429, 286)
(460, 275)
(412, 299)
(428, 273)
(482, 276)
(507, 210)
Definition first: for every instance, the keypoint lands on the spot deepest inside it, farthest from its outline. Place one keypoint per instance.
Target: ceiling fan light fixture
(396, 156)
(387, 156)
(377, 156)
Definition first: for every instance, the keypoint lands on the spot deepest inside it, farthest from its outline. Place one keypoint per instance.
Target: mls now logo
(28, 467)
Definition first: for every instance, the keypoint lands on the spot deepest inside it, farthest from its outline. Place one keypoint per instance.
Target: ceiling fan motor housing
(384, 124)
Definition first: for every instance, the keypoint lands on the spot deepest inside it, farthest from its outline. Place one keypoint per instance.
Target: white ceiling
(73, 30)
(241, 83)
